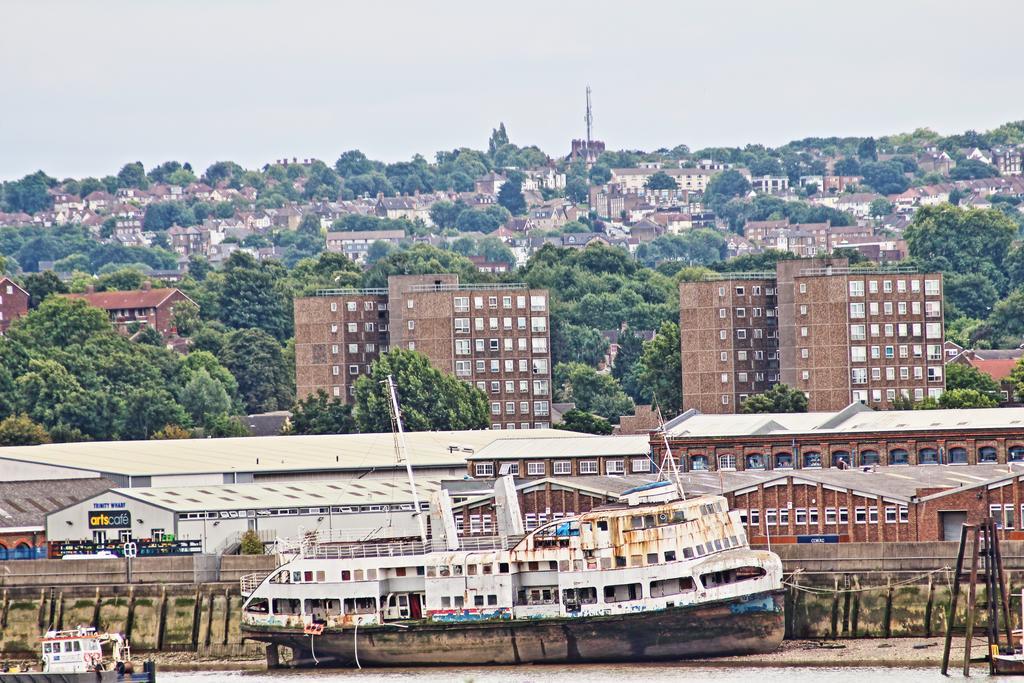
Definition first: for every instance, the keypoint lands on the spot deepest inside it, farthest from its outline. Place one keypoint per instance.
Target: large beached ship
(651, 578)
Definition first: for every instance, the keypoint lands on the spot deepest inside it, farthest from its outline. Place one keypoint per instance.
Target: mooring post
(928, 608)
(96, 610)
(887, 615)
(227, 613)
(971, 589)
(834, 630)
(161, 619)
(197, 618)
(953, 599)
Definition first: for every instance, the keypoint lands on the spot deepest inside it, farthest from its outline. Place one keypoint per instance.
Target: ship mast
(402, 453)
(671, 458)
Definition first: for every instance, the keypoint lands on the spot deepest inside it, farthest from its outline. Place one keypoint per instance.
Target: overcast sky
(88, 86)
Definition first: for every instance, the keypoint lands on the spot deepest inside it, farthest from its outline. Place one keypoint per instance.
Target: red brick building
(13, 302)
(25, 504)
(496, 337)
(148, 306)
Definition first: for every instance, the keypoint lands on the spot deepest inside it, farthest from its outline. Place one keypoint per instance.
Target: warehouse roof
(854, 418)
(266, 453)
(25, 504)
(575, 447)
(281, 494)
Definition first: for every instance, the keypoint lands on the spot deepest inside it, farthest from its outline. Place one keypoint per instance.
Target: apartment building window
(741, 334)
(887, 286)
(334, 307)
(539, 344)
(506, 323)
(856, 310)
(495, 365)
(479, 344)
(588, 467)
(510, 365)
(350, 305)
(336, 370)
(561, 467)
(721, 291)
(337, 391)
(805, 353)
(334, 328)
(756, 289)
(740, 355)
(915, 285)
(857, 332)
(803, 331)
(496, 408)
(463, 368)
(933, 330)
(482, 386)
(932, 309)
(506, 302)
(805, 375)
(740, 291)
(904, 351)
(462, 347)
(510, 407)
(640, 465)
(478, 302)
(803, 287)
(462, 326)
(538, 303)
(741, 312)
(521, 343)
(353, 369)
(725, 378)
(352, 327)
(492, 323)
(722, 334)
(478, 324)
(540, 387)
(371, 348)
(873, 308)
(931, 287)
(859, 375)
(461, 304)
(803, 309)
(492, 302)
(743, 377)
(890, 352)
(725, 400)
(614, 467)
(506, 344)
(493, 344)
(888, 330)
(369, 327)
(758, 312)
(540, 408)
(524, 407)
(412, 346)
(520, 302)
(856, 288)
(524, 384)
(890, 373)
(904, 373)
(934, 373)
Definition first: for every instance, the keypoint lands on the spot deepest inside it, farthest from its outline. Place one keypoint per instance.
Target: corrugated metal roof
(282, 494)
(855, 418)
(576, 447)
(267, 453)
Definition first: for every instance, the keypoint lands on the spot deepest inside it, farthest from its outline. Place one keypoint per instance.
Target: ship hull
(748, 625)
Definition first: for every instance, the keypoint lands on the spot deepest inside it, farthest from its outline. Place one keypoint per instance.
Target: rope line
(903, 582)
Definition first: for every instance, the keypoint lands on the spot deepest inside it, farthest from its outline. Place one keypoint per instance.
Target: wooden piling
(209, 619)
(96, 610)
(834, 625)
(161, 619)
(4, 609)
(928, 608)
(197, 615)
(887, 613)
(227, 613)
(129, 622)
(971, 589)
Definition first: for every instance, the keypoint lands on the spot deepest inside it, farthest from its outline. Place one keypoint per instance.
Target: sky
(87, 86)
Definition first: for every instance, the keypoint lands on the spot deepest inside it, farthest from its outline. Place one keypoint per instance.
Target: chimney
(147, 285)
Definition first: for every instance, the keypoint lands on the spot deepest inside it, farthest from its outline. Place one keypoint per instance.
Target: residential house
(485, 266)
(490, 183)
(996, 363)
(13, 302)
(856, 203)
(356, 244)
(147, 306)
(98, 200)
(411, 208)
(579, 240)
(190, 240)
(1007, 160)
(768, 184)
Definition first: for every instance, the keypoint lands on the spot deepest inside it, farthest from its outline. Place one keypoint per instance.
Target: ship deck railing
(327, 551)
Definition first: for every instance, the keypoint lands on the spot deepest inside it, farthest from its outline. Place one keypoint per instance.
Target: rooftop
(266, 453)
(137, 298)
(281, 494)
(26, 503)
(576, 447)
(854, 418)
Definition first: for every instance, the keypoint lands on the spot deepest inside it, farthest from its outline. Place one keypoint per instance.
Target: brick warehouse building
(881, 504)
(496, 337)
(839, 334)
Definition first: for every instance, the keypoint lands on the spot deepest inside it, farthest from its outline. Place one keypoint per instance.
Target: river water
(597, 673)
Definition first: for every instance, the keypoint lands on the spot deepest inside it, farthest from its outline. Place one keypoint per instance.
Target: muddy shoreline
(862, 652)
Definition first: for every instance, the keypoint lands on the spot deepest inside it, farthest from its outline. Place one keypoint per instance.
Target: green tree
(847, 166)
(147, 411)
(879, 207)
(133, 175)
(579, 421)
(661, 181)
(961, 376)
(319, 413)
(20, 430)
(591, 391)
(41, 285)
(255, 360)
(511, 197)
(204, 397)
(576, 343)
(310, 225)
(252, 296)
(660, 369)
(971, 169)
(725, 186)
(885, 177)
(251, 544)
(576, 189)
(949, 238)
(225, 426)
(498, 139)
(1016, 378)
(626, 369)
(430, 400)
(353, 163)
(972, 294)
(966, 398)
(781, 398)
(867, 150)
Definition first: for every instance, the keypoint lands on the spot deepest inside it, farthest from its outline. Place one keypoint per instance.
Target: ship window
(259, 605)
(678, 516)
(399, 571)
(321, 576)
(307, 576)
(488, 568)
(532, 566)
(638, 522)
(503, 567)
(636, 560)
(623, 592)
(492, 600)
(46, 648)
(688, 553)
(671, 587)
(471, 569)
(358, 576)
(296, 577)
(77, 645)
(602, 525)
(431, 570)
(446, 602)
(346, 575)
(652, 558)
(670, 555)
(478, 601)
(620, 560)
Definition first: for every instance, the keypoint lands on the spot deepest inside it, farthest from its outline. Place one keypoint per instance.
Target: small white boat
(77, 656)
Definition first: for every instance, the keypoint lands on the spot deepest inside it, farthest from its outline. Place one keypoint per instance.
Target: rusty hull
(749, 625)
